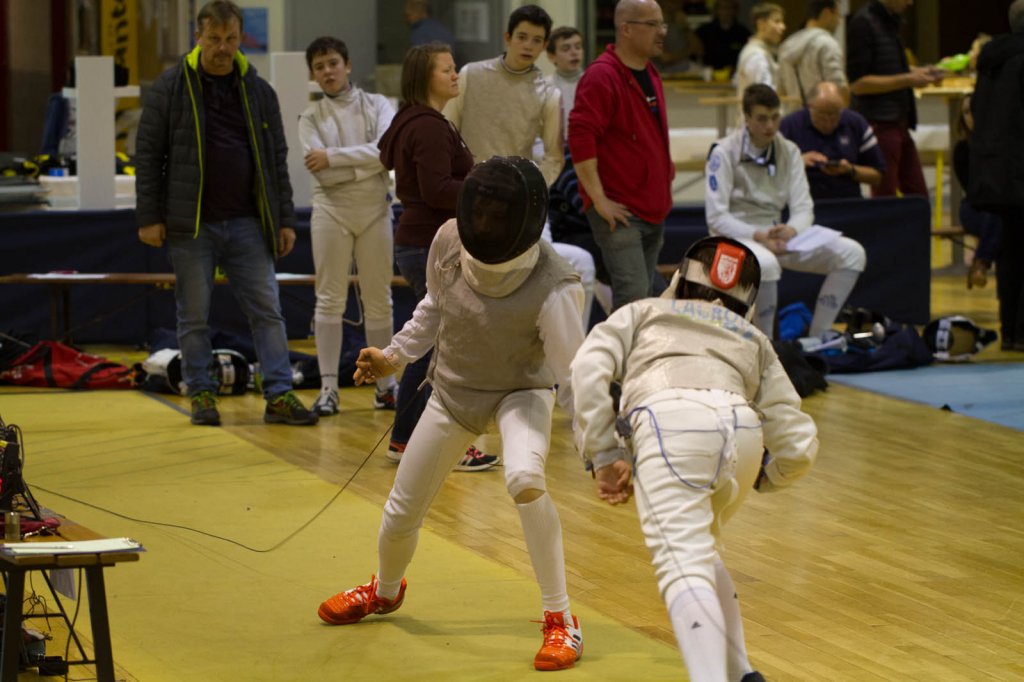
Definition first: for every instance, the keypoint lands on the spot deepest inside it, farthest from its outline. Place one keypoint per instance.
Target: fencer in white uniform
(351, 213)
(702, 395)
(753, 174)
(502, 314)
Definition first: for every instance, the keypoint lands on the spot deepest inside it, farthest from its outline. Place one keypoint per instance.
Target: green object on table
(956, 62)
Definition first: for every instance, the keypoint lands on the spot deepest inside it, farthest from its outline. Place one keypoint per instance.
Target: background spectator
(618, 137)
(723, 37)
(753, 174)
(757, 63)
(351, 216)
(882, 84)
(997, 175)
(424, 28)
(430, 161)
(839, 147)
(681, 43)
(812, 54)
(986, 226)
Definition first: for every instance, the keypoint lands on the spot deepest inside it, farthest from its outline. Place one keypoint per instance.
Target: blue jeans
(630, 256)
(412, 263)
(238, 246)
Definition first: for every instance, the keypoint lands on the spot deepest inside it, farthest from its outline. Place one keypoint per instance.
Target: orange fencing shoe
(563, 642)
(354, 605)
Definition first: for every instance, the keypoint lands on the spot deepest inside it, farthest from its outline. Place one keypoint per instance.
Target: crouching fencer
(702, 395)
(502, 313)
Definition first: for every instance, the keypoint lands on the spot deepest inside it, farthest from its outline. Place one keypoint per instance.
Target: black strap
(87, 374)
(46, 353)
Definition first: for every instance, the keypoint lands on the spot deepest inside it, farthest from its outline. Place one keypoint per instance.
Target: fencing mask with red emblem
(502, 207)
(719, 268)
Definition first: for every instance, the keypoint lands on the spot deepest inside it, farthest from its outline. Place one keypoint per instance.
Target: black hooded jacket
(171, 145)
(997, 144)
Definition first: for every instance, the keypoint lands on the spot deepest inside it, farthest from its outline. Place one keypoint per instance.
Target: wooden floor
(900, 557)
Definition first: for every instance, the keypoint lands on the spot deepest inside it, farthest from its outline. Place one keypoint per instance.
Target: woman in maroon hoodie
(430, 161)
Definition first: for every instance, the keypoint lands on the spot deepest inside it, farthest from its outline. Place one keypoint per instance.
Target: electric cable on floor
(273, 547)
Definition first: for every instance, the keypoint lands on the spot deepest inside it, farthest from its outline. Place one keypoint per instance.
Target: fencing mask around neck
(502, 207)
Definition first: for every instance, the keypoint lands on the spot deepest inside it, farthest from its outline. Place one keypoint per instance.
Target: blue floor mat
(992, 392)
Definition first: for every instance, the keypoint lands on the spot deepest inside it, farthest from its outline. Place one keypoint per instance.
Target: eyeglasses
(656, 25)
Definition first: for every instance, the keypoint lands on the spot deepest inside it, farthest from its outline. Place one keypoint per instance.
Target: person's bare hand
(153, 235)
(613, 212)
(613, 482)
(316, 160)
(921, 76)
(285, 241)
(775, 238)
(371, 365)
(844, 168)
(814, 158)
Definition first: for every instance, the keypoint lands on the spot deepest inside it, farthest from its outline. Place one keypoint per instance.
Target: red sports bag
(53, 364)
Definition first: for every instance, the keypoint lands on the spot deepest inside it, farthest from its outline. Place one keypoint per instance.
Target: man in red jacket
(618, 139)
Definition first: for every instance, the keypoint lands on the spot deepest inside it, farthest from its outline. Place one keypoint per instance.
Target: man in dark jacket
(212, 181)
(997, 177)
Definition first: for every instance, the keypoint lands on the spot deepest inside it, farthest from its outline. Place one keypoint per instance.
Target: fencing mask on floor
(502, 207)
(956, 338)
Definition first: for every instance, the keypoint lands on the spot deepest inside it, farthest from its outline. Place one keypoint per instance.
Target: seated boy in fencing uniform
(702, 395)
(502, 314)
(753, 174)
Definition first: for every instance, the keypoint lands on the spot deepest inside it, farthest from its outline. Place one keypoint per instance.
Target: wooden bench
(60, 284)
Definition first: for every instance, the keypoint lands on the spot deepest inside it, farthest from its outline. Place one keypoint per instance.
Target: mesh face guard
(501, 210)
(956, 338)
(723, 277)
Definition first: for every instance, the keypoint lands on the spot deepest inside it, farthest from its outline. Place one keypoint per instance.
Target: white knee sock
(736, 651)
(543, 533)
(378, 334)
(698, 623)
(767, 303)
(393, 556)
(834, 291)
(328, 349)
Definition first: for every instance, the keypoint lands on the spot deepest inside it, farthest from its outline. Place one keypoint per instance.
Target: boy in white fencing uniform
(493, 292)
(753, 174)
(702, 394)
(351, 213)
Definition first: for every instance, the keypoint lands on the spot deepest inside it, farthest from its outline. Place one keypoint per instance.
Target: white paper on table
(812, 238)
(72, 547)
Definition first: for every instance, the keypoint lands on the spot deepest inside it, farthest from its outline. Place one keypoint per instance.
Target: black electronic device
(14, 494)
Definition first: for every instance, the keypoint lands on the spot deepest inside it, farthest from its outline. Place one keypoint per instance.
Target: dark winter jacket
(997, 144)
(171, 145)
(430, 161)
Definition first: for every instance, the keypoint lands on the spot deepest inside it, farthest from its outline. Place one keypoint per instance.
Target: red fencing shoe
(354, 605)
(563, 642)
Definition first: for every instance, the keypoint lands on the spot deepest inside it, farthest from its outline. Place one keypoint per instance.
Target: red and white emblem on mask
(725, 269)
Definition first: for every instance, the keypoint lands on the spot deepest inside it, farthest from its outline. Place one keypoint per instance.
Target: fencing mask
(956, 338)
(719, 268)
(501, 210)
